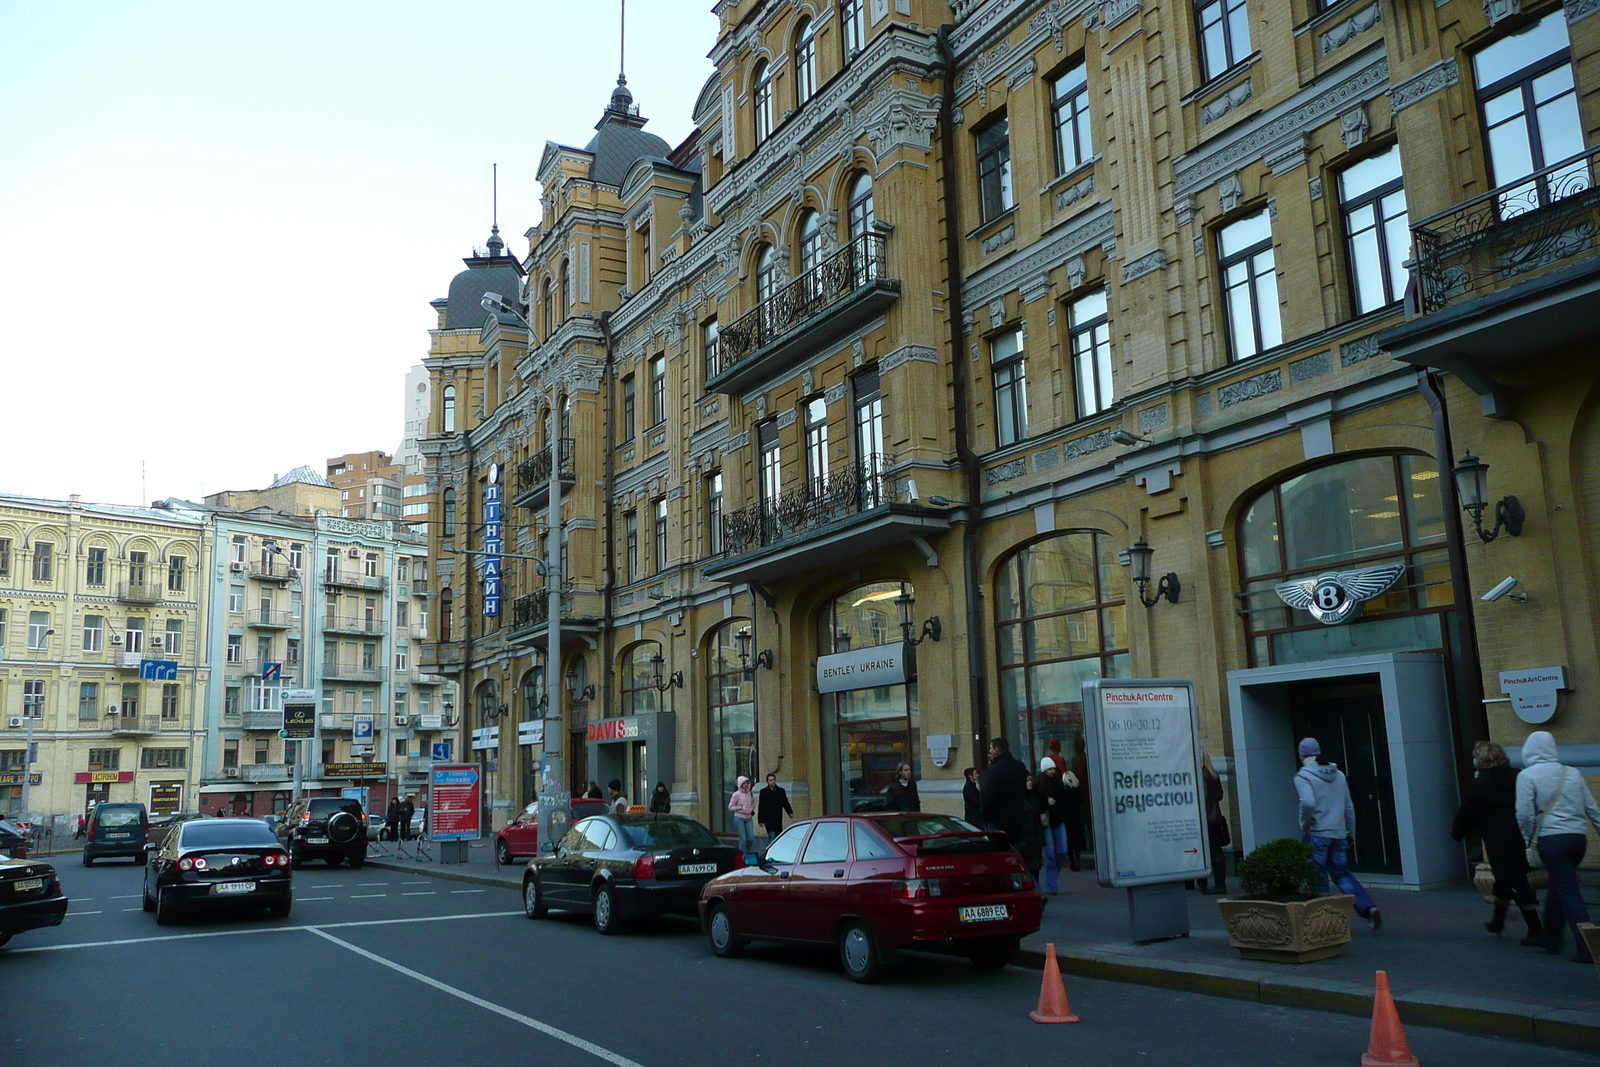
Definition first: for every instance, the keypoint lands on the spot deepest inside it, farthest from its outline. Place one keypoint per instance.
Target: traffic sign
(271, 672)
(159, 670)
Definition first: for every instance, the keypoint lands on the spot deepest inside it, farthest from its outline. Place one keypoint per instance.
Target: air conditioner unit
(15, 722)
(230, 772)
(399, 720)
(116, 639)
(156, 642)
(355, 553)
(236, 567)
(112, 709)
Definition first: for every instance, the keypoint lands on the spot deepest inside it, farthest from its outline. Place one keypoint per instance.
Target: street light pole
(553, 808)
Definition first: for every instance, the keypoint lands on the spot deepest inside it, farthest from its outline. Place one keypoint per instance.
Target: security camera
(1504, 589)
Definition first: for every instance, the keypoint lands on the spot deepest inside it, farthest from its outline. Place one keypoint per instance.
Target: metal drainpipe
(465, 696)
(607, 638)
(979, 690)
(1472, 717)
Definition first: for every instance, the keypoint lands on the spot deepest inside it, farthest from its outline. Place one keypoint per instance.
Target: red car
(520, 837)
(873, 884)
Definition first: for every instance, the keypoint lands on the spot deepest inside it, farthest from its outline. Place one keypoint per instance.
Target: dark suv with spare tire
(326, 828)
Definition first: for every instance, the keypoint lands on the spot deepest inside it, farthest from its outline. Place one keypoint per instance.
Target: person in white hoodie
(1328, 821)
(1553, 803)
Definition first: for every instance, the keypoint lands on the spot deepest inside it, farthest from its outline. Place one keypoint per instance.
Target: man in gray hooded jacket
(1328, 820)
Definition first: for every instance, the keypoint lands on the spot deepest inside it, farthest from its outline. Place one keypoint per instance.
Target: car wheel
(164, 911)
(88, 860)
(725, 939)
(502, 853)
(858, 952)
(606, 918)
(281, 909)
(141, 859)
(533, 900)
(296, 860)
(144, 898)
(994, 955)
(357, 859)
(332, 861)
(3, 939)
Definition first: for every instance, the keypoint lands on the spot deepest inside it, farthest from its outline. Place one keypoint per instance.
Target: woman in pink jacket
(743, 806)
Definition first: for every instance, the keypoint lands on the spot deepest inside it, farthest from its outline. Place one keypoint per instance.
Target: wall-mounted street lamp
(931, 627)
(1472, 489)
(577, 692)
(1168, 588)
(657, 663)
(449, 715)
(763, 658)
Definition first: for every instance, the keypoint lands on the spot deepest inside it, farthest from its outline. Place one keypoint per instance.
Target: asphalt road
(380, 967)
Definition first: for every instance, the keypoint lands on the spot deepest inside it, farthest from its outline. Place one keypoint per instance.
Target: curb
(1558, 1027)
(497, 881)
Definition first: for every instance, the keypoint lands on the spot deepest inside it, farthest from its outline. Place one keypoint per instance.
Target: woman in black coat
(661, 800)
(1489, 813)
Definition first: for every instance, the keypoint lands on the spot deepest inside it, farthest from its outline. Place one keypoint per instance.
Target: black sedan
(30, 897)
(218, 863)
(620, 866)
(13, 838)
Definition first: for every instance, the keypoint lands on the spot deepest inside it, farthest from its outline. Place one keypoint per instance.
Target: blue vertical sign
(492, 540)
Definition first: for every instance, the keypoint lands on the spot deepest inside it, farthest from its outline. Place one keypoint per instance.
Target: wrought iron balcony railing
(533, 473)
(1549, 218)
(141, 592)
(858, 263)
(273, 620)
(354, 672)
(346, 624)
(850, 489)
(352, 579)
(273, 571)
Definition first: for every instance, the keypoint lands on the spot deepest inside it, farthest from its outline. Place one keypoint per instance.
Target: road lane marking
(369, 885)
(469, 890)
(257, 930)
(365, 896)
(336, 885)
(132, 909)
(313, 898)
(517, 1017)
(425, 881)
(77, 913)
(422, 893)
(130, 896)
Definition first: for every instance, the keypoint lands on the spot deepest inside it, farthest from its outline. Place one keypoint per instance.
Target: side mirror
(547, 846)
(151, 846)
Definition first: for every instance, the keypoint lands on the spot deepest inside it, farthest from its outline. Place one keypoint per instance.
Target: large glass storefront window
(532, 696)
(871, 731)
(1344, 517)
(1060, 621)
(639, 693)
(731, 714)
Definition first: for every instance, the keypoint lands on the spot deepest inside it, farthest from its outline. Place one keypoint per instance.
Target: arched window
(548, 304)
(761, 95)
(566, 296)
(766, 273)
(810, 241)
(565, 429)
(860, 205)
(488, 701)
(447, 603)
(866, 733)
(639, 693)
(448, 418)
(533, 691)
(730, 700)
(1347, 516)
(1059, 621)
(805, 61)
(448, 528)
(852, 27)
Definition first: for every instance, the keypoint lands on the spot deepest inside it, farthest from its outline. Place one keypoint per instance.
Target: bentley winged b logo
(1335, 597)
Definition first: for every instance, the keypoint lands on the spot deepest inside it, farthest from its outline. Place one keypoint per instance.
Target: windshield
(118, 817)
(924, 825)
(665, 831)
(226, 833)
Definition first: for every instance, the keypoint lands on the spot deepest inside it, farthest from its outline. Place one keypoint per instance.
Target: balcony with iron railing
(443, 654)
(348, 624)
(273, 620)
(353, 672)
(135, 725)
(419, 587)
(261, 720)
(843, 292)
(856, 508)
(336, 720)
(141, 592)
(533, 473)
(266, 772)
(1505, 275)
(349, 579)
(259, 668)
(530, 613)
(274, 571)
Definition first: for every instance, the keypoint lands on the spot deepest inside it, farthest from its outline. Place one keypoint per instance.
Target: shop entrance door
(1348, 721)
(869, 753)
(96, 793)
(639, 773)
(577, 762)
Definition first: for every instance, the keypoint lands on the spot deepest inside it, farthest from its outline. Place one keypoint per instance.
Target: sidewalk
(1444, 969)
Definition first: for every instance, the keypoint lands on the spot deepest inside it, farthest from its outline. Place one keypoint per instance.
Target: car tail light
(644, 867)
(196, 863)
(1022, 882)
(916, 888)
(275, 859)
(305, 816)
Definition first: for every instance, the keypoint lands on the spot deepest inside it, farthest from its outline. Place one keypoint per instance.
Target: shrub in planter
(1280, 917)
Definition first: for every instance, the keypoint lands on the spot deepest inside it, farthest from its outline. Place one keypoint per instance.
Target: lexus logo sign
(1337, 596)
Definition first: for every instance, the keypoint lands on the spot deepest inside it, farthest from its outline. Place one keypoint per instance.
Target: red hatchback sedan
(520, 837)
(873, 884)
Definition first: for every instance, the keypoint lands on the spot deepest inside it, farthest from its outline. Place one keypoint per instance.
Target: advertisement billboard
(456, 814)
(1144, 775)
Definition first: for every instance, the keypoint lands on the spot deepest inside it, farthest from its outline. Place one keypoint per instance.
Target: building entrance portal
(1347, 719)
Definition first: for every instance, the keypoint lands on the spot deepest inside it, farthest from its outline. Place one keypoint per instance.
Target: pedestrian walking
(1050, 794)
(1030, 841)
(407, 810)
(1005, 790)
(1217, 832)
(82, 825)
(617, 804)
(902, 792)
(972, 798)
(1076, 803)
(1489, 813)
(1553, 803)
(1057, 758)
(743, 806)
(1080, 771)
(1328, 821)
(391, 816)
(661, 800)
(771, 805)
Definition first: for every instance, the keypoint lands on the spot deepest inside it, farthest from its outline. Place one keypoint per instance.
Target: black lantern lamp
(931, 627)
(657, 663)
(1472, 489)
(576, 693)
(449, 714)
(1168, 588)
(763, 658)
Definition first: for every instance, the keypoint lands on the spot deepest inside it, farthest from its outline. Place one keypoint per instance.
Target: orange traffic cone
(1053, 1006)
(1387, 1046)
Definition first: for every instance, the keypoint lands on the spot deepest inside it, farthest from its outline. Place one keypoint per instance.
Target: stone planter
(1295, 931)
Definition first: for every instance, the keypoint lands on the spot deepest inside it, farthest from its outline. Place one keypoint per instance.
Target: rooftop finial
(622, 45)
(494, 202)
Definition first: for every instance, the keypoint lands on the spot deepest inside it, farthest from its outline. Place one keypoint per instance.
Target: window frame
(1232, 55)
(761, 100)
(94, 568)
(658, 391)
(852, 29)
(1096, 359)
(1071, 109)
(659, 533)
(993, 164)
(805, 61)
(1248, 256)
(1009, 375)
(1523, 79)
(1372, 201)
(714, 513)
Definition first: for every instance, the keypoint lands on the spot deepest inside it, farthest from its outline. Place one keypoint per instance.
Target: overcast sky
(221, 222)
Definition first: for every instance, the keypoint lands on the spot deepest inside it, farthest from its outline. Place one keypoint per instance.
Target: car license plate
(979, 913)
(234, 887)
(30, 883)
(316, 840)
(697, 868)
(125, 833)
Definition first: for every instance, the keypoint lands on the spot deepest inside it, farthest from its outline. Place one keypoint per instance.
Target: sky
(258, 201)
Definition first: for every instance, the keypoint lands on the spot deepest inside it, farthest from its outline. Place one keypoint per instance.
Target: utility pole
(554, 804)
